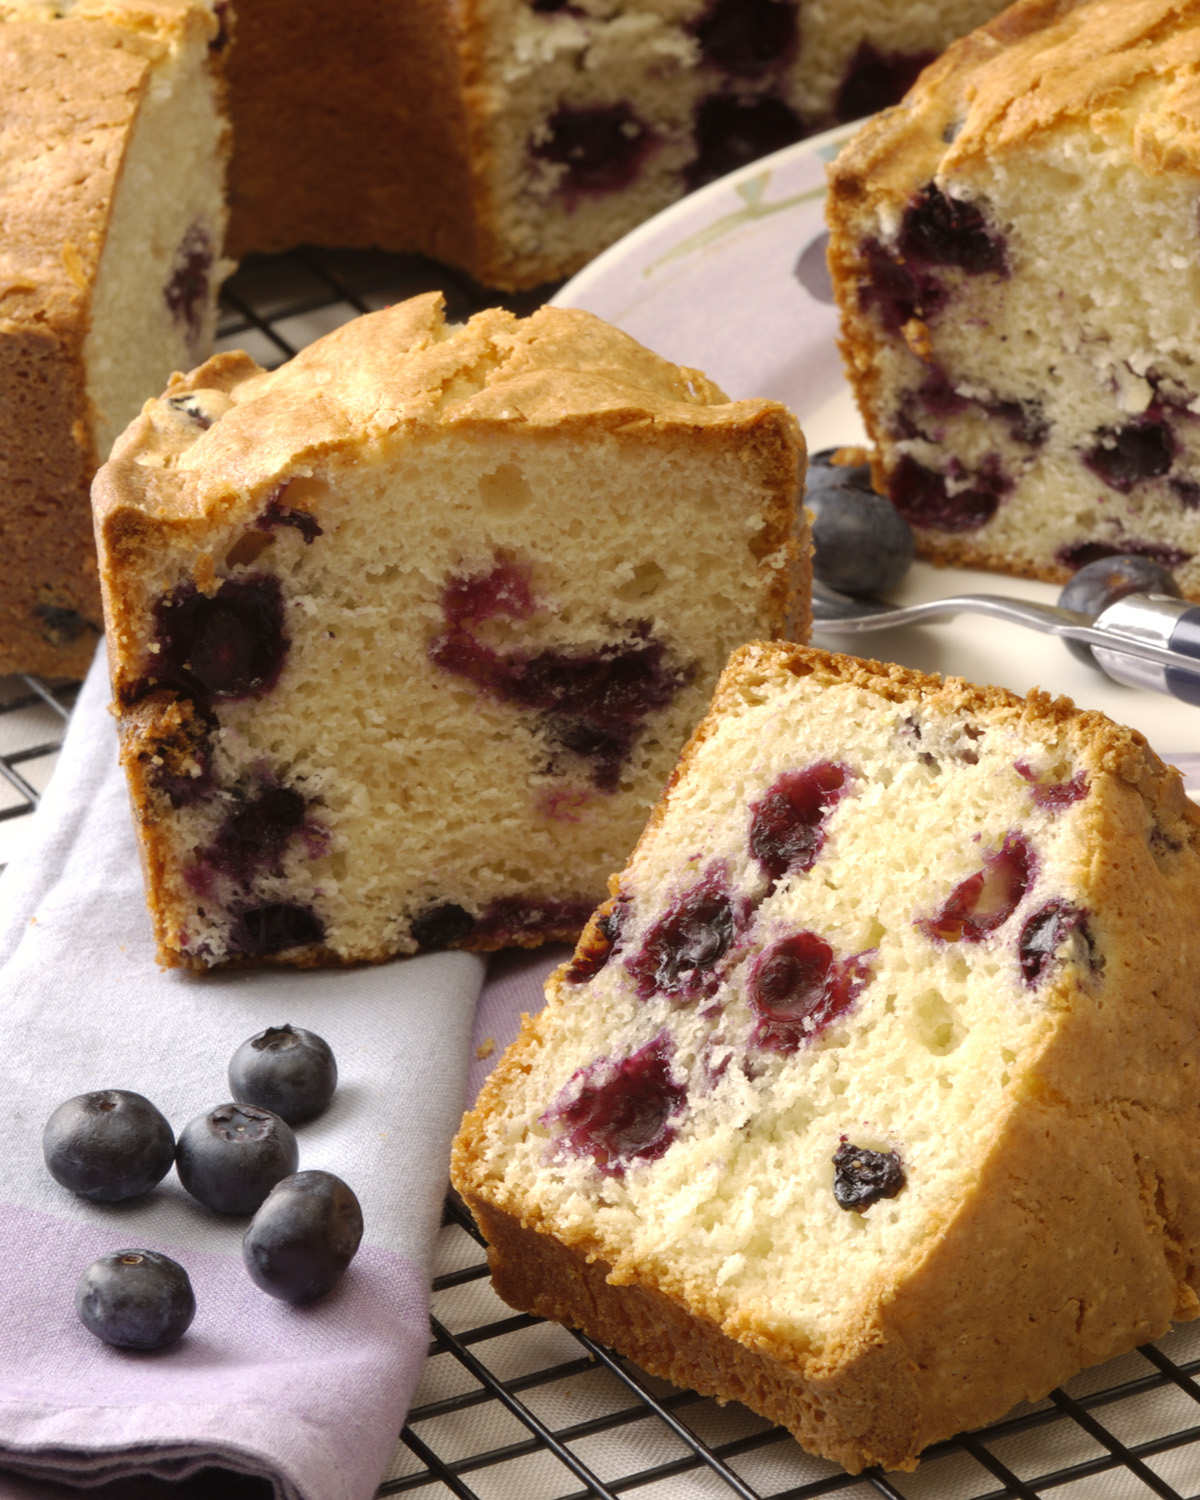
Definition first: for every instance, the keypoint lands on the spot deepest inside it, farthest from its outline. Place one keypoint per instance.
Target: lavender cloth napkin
(310, 1398)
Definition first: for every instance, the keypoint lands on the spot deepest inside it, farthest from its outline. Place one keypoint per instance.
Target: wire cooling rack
(512, 1408)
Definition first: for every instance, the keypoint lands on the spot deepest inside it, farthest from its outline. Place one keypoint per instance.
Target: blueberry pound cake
(871, 1097)
(1016, 258)
(406, 636)
(113, 141)
(518, 138)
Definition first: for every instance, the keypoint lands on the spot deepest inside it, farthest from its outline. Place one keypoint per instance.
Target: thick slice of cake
(112, 153)
(1015, 256)
(871, 1096)
(406, 636)
(518, 139)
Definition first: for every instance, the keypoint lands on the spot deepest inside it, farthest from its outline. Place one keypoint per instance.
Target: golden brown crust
(70, 90)
(1081, 1237)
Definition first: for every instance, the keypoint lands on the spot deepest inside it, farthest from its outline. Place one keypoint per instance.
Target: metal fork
(1146, 640)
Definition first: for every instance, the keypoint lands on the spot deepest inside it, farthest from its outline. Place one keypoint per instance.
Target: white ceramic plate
(732, 281)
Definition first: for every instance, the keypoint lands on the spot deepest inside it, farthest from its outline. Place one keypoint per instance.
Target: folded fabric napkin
(308, 1398)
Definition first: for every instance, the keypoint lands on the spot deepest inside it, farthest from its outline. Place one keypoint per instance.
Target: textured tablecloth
(309, 1398)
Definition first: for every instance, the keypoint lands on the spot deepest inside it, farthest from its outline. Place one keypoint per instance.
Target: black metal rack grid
(512, 1408)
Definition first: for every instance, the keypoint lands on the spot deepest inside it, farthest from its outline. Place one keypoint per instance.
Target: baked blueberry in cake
(869, 1097)
(518, 138)
(1014, 252)
(406, 635)
(112, 201)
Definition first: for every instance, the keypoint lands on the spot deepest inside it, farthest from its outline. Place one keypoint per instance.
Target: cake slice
(406, 636)
(870, 1096)
(112, 153)
(1014, 256)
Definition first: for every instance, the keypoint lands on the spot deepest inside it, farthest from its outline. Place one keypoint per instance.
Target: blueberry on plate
(1107, 579)
(230, 1158)
(135, 1299)
(285, 1069)
(108, 1145)
(862, 545)
(303, 1237)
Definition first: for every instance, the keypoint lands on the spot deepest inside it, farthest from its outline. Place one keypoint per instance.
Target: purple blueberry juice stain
(747, 37)
(186, 293)
(896, 290)
(509, 918)
(623, 1110)
(590, 703)
(937, 396)
(1077, 555)
(729, 132)
(1045, 933)
(273, 927)
(797, 988)
(231, 644)
(984, 901)
(924, 497)
(787, 825)
(874, 80)
(602, 147)
(862, 1177)
(276, 513)
(1123, 456)
(1053, 795)
(680, 955)
(256, 832)
(1186, 491)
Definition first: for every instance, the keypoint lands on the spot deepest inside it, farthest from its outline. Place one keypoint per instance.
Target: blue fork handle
(1157, 621)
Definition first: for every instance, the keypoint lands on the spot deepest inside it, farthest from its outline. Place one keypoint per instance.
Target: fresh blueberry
(231, 1158)
(1107, 579)
(303, 1237)
(135, 1299)
(861, 542)
(285, 1069)
(108, 1145)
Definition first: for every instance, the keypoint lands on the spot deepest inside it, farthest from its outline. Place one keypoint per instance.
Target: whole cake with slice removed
(1014, 252)
(113, 141)
(871, 1097)
(406, 636)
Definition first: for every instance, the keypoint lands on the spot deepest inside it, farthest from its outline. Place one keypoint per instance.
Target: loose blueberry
(135, 1299)
(625, 1110)
(861, 542)
(230, 1158)
(304, 1235)
(108, 1145)
(286, 1069)
(862, 1177)
(1107, 579)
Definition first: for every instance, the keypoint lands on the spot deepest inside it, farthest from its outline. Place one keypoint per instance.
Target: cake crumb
(486, 1047)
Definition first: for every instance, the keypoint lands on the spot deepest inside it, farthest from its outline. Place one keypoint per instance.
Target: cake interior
(474, 660)
(825, 976)
(165, 231)
(1032, 376)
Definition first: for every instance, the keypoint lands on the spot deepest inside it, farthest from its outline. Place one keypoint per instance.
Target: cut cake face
(406, 636)
(880, 1060)
(1015, 256)
(113, 142)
